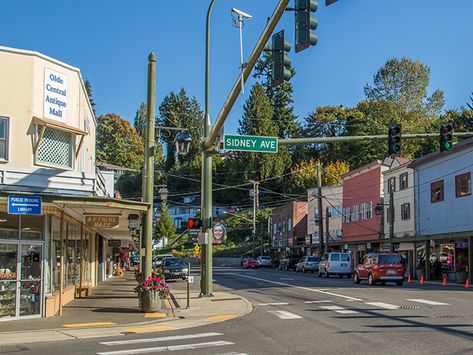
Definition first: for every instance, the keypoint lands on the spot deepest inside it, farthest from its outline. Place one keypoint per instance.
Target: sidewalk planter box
(150, 301)
(461, 277)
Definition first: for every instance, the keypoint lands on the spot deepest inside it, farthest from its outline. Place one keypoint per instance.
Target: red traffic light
(194, 223)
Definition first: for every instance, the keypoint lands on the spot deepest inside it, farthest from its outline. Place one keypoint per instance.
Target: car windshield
(312, 258)
(389, 259)
(173, 262)
(265, 258)
(345, 257)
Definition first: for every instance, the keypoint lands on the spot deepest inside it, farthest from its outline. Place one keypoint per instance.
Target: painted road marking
(156, 315)
(154, 328)
(273, 304)
(96, 324)
(300, 287)
(152, 340)
(433, 303)
(383, 305)
(325, 301)
(233, 353)
(287, 278)
(222, 316)
(167, 348)
(285, 315)
(338, 309)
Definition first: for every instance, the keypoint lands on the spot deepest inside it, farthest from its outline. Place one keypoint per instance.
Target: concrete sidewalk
(112, 310)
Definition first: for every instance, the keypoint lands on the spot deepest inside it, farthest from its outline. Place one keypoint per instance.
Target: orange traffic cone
(409, 279)
(467, 283)
(445, 281)
(422, 280)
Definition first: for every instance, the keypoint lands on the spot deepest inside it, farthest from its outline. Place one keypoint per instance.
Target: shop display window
(9, 226)
(31, 227)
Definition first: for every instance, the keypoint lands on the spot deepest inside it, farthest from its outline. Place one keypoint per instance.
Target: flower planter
(461, 277)
(150, 301)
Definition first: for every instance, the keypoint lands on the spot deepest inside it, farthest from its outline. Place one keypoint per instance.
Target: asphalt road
(297, 313)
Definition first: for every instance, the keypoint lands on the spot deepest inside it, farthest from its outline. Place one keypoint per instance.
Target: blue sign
(24, 205)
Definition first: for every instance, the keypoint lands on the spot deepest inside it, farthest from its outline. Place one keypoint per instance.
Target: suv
(380, 267)
(288, 261)
(264, 261)
(308, 263)
(336, 263)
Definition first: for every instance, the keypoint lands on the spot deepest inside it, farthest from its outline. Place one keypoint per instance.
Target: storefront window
(32, 227)
(8, 226)
(55, 253)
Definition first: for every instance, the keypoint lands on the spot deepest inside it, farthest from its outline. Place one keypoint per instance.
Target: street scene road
(296, 313)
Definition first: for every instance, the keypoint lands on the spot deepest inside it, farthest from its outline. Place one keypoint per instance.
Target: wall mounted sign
(102, 221)
(55, 95)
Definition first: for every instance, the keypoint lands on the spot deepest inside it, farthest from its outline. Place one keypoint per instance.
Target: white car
(264, 261)
(158, 259)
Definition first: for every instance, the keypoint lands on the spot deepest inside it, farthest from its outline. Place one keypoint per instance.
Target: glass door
(8, 280)
(30, 281)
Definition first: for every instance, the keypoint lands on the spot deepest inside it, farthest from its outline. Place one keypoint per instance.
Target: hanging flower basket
(151, 293)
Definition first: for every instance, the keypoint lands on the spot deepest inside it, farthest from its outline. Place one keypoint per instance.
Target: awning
(47, 123)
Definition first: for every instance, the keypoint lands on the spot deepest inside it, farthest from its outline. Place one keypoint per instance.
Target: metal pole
(289, 141)
(253, 232)
(61, 264)
(327, 226)
(188, 285)
(206, 208)
(250, 64)
(149, 166)
(391, 220)
(319, 204)
(262, 238)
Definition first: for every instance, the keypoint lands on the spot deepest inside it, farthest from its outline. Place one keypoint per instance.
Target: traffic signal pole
(211, 132)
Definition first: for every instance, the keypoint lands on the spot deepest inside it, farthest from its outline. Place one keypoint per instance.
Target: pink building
(289, 227)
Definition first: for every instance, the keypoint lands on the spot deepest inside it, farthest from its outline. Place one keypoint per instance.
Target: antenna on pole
(238, 22)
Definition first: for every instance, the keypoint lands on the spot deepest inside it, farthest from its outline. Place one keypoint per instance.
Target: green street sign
(250, 143)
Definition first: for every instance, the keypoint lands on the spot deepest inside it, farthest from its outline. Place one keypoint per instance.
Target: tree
(470, 105)
(140, 120)
(118, 143)
(164, 227)
(178, 110)
(88, 89)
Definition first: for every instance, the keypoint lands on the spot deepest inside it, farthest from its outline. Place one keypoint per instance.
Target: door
(30, 279)
(8, 280)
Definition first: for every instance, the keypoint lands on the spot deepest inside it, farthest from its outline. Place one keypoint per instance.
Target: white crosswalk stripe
(273, 304)
(383, 305)
(432, 303)
(324, 301)
(285, 315)
(338, 309)
(169, 347)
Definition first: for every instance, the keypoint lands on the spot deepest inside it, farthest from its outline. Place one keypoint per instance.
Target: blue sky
(110, 42)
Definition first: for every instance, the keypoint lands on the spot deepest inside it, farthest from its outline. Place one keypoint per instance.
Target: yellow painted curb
(222, 316)
(156, 315)
(78, 325)
(155, 328)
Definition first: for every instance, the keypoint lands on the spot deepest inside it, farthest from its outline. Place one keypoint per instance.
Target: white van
(336, 263)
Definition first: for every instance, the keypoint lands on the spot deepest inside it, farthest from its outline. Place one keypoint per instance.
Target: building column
(470, 259)
(427, 260)
(61, 263)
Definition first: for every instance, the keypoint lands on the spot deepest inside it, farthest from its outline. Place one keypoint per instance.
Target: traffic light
(281, 62)
(305, 23)
(194, 223)
(446, 136)
(394, 140)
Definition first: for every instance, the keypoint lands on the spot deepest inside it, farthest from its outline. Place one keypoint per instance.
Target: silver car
(264, 261)
(308, 263)
(336, 263)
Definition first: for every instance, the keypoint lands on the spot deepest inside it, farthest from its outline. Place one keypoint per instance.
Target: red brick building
(289, 227)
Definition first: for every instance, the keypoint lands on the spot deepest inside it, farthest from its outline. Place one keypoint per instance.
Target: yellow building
(61, 230)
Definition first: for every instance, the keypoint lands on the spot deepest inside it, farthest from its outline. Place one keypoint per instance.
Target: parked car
(380, 267)
(174, 268)
(264, 261)
(308, 263)
(158, 259)
(336, 263)
(288, 262)
(250, 263)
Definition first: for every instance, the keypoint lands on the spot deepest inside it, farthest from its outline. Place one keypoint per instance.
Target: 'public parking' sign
(25, 205)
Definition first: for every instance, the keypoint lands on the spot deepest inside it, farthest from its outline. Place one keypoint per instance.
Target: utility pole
(319, 204)
(327, 216)
(255, 207)
(391, 220)
(148, 176)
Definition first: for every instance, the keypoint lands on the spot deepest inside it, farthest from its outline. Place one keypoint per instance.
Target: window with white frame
(289, 225)
(4, 138)
(392, 184)
(352, 214)
(368, 210)
(405, 211)
(56, 149)
(360, 211)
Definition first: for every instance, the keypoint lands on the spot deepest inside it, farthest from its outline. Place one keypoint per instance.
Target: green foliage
(140, 120)
(164, 227)
(178, 110)
(88, 89)
(118, 143)
(129, 184)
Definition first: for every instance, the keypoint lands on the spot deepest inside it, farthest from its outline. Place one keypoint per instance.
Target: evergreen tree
(140, 120)
(164, 227)
(88, 89)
